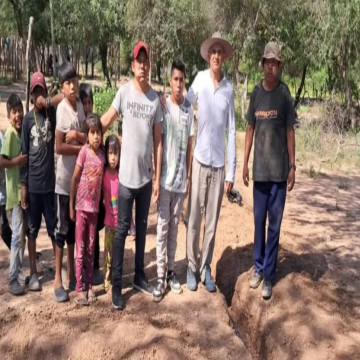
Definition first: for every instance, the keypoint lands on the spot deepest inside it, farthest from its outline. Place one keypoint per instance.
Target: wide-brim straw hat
(271, 51)
(216, 39)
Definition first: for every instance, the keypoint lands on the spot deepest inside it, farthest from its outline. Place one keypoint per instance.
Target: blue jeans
(17, 242)
(269, 200)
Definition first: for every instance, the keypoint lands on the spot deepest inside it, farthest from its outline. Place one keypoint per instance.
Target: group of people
(98, 180)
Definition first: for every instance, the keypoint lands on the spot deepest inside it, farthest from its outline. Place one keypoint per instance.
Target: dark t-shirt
(38, 142)
(271, 113)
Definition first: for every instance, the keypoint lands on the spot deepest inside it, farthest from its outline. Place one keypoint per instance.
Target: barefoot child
(110, 186)
(86, 97)
(86, 184)
(11, 160)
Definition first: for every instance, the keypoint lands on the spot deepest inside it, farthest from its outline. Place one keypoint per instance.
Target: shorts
(39, 205)
(65, 227)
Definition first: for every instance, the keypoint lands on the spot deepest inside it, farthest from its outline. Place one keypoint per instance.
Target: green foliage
(103, 98)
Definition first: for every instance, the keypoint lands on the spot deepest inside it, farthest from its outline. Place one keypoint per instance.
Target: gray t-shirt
(2, 177)
(140, 112)
(177, 126)
(67, 119)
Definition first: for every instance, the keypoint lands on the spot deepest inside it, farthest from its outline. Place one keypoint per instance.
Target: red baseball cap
(140, 46)
(37, 79)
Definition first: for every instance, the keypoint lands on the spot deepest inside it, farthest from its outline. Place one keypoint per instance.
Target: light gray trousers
(207, 189)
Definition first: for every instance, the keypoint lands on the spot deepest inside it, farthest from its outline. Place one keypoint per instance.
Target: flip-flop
(61, 295)
(81, 302)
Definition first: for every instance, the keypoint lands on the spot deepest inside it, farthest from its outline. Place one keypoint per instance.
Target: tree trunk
(300, 89)
(235, 68)
(103, 49)
(243, 98)
(92, 62)
(150, 70)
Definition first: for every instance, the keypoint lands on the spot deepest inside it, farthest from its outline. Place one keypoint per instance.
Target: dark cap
(140, 46)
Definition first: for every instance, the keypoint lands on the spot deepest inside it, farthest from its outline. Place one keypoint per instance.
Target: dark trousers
(142, 198)
(269, 201)
(6, 231)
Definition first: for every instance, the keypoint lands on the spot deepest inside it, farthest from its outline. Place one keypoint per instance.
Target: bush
(103, 98)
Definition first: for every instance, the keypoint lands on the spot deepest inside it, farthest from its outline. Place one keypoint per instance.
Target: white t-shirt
(67, 119)
(177, 127)
(140, 112)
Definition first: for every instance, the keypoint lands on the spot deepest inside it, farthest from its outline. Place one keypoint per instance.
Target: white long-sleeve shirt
(216, 113)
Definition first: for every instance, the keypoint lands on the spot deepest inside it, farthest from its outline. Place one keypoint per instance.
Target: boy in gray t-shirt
(141, 113)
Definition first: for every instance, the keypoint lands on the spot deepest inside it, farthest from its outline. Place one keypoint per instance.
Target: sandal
(80, 300)
(92, 298)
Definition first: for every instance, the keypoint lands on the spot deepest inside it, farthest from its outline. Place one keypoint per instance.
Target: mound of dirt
(305, 319)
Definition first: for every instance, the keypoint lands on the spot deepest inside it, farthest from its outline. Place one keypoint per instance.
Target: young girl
(86, 184)
(86, 97)
(110, 187)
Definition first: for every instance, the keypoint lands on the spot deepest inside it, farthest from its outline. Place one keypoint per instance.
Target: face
(140, 67)
(177, 83)
(37, 92)
(88, 105)
(271, 69)
(216, 57)
(70, 88)
(94, 137)
(16, 117)
(113, 158)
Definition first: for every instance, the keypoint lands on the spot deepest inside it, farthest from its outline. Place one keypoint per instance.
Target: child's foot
(81, 299)
(91, 297)
(173, 283)
(34, 284)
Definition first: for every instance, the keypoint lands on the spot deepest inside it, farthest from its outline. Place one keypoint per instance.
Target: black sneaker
(159, 290)
(118, 302)
(141, 283)
(173, 283)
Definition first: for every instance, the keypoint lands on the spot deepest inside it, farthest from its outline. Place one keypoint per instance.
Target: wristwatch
(293, 166)
(47, 100)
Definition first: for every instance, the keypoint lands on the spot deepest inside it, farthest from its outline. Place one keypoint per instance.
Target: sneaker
(141, 283)
(159, 290)
(266, 289)
(117, 300)
(61, 295)
(15, 288)
(97, 277)
(191, 279)
(173, 283)
(209, 280)
(255, 280)
(34, 284)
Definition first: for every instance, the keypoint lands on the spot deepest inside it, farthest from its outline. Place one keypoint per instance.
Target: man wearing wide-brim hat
(271, 117)
(216, 116)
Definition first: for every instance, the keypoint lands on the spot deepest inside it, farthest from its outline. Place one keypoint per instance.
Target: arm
(290, 135)
(157, 158)
(24, 170)
(248, 145)
(108, 118)
(193, 92)
(62, 148)
(54, 101)
(6, 163)
(231, 148)
(74, 184)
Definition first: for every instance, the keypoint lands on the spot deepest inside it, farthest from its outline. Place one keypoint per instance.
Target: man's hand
(71, 136)
(228, 187)
(188, 183)
(72, 214)
(40, 102)
(291, 179)
(24, 203)
(21, 160)
(156, 192)
(246, 175)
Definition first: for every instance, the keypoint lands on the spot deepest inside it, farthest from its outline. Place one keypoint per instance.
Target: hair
(93, 120)
(85, 91)
(66, 72)
(178, 65)
(112, 142)
(13, 102)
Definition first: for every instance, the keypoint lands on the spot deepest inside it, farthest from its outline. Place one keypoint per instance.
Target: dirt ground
(314, 312)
